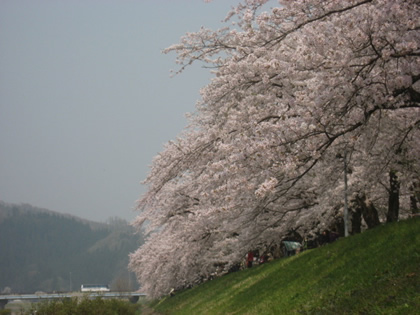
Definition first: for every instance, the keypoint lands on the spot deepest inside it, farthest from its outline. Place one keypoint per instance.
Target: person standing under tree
(249, 259)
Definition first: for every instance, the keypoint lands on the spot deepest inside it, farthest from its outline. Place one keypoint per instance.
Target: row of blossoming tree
(297, 88)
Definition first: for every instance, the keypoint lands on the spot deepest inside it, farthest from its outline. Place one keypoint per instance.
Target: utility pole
(70, 282)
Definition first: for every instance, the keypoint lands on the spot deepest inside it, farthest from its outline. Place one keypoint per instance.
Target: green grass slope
(377, 272)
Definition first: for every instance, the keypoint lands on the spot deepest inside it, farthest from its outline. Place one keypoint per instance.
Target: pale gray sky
(86, 98)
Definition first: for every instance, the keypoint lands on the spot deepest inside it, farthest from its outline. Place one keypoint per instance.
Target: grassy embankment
(377, 272)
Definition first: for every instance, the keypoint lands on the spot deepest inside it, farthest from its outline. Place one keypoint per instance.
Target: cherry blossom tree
(297, 87)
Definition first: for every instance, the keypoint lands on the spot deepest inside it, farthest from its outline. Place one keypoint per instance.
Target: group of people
(254, 257)
(289, 248)
(328, 237)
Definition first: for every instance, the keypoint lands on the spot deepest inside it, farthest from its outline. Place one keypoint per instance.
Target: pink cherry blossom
(297, 86)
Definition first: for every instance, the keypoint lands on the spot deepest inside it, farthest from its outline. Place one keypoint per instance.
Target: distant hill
(42, 250)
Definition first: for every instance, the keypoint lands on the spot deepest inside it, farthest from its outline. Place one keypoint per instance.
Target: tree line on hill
(41, 250)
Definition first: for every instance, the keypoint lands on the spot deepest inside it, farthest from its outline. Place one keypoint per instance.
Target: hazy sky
(86, 98)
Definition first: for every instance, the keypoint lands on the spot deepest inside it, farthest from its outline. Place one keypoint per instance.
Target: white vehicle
(94, 288)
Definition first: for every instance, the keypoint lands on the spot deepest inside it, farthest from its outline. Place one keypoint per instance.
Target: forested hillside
(41, 250)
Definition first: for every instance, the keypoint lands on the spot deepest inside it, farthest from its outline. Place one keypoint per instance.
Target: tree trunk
(413, 205)
(414, 199)
(356, 218)
(369, 212)
(394, 198)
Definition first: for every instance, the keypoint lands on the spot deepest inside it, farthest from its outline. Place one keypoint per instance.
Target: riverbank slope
(376, 272)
